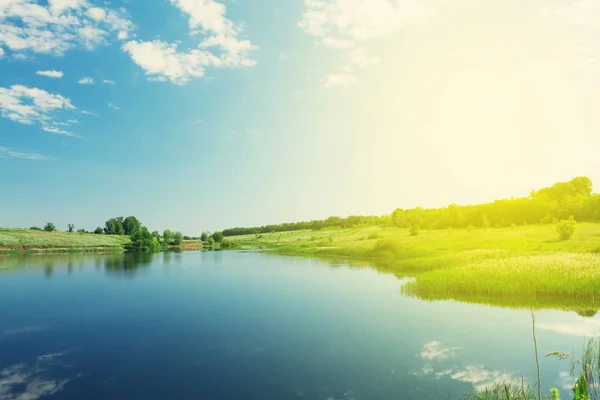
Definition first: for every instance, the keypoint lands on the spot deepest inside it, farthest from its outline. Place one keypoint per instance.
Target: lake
(245, 325)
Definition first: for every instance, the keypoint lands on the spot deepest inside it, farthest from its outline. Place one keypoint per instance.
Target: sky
(202, 115)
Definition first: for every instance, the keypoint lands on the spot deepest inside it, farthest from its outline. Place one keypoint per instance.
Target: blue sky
(202, 114)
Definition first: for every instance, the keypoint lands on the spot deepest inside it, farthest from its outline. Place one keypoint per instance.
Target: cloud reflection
(476, 375)
(29, 382)
(434, 351)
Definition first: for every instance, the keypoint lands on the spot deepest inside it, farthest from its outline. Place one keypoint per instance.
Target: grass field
(518, 267)
(23, 240)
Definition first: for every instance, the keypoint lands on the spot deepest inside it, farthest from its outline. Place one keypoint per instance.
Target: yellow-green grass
(23, 240)
(523, 266)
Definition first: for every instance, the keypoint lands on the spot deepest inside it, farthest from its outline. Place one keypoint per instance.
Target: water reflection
(33, 381)
(127, 264)
(476, 375)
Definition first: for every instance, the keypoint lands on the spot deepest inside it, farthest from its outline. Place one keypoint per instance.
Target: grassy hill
(518, 266)
(24, 240)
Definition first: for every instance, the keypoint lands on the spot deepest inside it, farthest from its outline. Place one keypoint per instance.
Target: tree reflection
(127, 264)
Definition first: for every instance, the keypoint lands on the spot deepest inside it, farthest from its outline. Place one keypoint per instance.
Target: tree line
(544, 206)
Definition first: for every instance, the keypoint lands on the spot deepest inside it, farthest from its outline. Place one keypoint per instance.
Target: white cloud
(361, 20)
(434, 351)
(114, 107)
(96, 13)
(50, 74)
(345, 24)
(336, 43)
(219, 46)
(108, 82)
(29, 27)
(339, 80)
(358, 59)
(32, 105)
(8, 153)
(1, 52)
(86, 81)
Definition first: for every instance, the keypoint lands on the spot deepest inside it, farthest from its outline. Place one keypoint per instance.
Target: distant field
(23, 240)
(518, 266)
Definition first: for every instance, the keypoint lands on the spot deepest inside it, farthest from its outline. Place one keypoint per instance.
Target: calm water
(233, 325)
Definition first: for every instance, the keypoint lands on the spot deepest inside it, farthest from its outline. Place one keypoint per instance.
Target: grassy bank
(28, 241)
(518, 266)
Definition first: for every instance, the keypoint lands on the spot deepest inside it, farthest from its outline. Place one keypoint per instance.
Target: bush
(414, 230)
(71, 228)
(386, 246)
(50, 227)
(35, 228)
(99, 231)
(374, 235)
(470, 228)
(218, 237)
(513, 226)
(81, 231)
(566, 228)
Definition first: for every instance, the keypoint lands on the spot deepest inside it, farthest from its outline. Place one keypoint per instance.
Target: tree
(414, 230)
(35, 228)
(143, 241)
(156, 235)
(114, 226)
(98, 231)
(131, 225)
(167, 236)
(50, 227)
(218, 236)
(566, 228)
(81, 231)
(178, 238)
(71, 228)
(210, 241)
(204, 236)
(485, 222)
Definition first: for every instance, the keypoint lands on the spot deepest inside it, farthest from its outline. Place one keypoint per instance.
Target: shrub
(386, 246)
(177, 238)
(414, 230)
(218, 237)
(50, 227)
(99, 231)
(374, 235)
(81, 231)
(485, 222)
(71, 228)
(513, 226)
(470, 228)
(35, 228)
(566, 228)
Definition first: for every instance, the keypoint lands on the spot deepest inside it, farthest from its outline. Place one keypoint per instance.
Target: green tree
(218, 236)
(204, 236)
(156, 235)
(143, 241)
(167, 236)
(50, 227)
(178, 238)
(414, 230)
(81, 231)
(485, 222)
(98, 231)
(71, 228)
(131, 225)
(566, 228)
(210, 241)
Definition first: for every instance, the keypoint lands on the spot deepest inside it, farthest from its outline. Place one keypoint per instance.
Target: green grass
(519, 267)
(23, 240)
